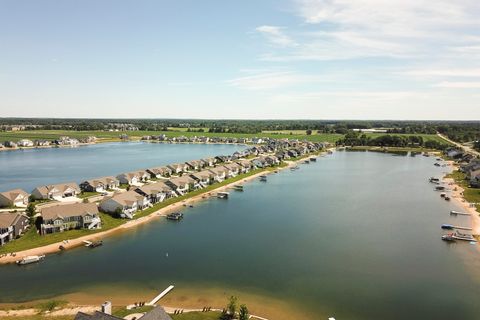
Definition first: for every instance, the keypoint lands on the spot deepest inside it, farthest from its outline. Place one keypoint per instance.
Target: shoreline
(457, 196)
(77, 242)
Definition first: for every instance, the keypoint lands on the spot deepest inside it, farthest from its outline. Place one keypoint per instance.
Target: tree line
(353, 138)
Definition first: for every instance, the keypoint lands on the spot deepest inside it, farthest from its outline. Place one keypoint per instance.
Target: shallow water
(354, 235)
(29, 168)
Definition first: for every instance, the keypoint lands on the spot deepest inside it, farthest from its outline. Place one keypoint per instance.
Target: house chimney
(107, 307)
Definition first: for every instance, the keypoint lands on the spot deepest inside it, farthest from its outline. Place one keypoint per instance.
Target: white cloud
(458, 85)
(276, 36)
(454, 72)
(271, 80)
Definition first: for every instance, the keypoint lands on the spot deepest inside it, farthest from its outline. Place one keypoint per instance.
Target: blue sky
(283, 59)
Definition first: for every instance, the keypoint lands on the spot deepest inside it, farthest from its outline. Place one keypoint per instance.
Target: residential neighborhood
(61, 206)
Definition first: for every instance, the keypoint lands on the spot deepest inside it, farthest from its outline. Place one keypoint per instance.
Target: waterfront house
(156, 192)
(233, 169)
(42, 143)
(259, 162)
(204, 177)
(157, 313)
(100, 184)
(60, 218)
(272, 160)
(12, 226)
(126, 203)
(222, 159)
(245, 166)
(183, 184)
(209, 162)
(220, 173)
(134, 177)
(14, 198)
(159, 172)
(66, 141)
(178, 167)
(62, 190)
(10, 144)
(25, 143)
(195, 165)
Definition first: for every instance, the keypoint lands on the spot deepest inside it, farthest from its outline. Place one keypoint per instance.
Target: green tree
(243, 312)
(232, 305)
(30, 210)
(309, 132)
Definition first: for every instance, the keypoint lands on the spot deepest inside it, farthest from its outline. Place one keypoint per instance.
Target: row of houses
(62, 141)
(472, 172)
(202, 139)
(146, 188)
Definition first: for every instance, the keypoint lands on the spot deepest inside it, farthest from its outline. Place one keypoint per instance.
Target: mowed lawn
(114, 136)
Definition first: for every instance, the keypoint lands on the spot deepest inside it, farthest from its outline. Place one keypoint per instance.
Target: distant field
(112, 136)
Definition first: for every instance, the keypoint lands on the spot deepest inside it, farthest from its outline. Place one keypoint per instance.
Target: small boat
(61, 247)
(447, 198)
(453, 212)
(436, 164)
(439, 188)
(448, 237)
(463, 236)
(95, 244)
(313, 159)
(306, 161)
(238, 188)
(432, 179)
(443, 195)
(176, 216)
(222, 195)
(263, 178)
(30, 259)
(447, 226)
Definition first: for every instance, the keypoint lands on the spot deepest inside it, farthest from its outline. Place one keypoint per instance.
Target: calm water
(30, 168)
(356, 234)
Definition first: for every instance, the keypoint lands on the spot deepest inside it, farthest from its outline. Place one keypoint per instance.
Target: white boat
(223, 195)
(30, 259)
(463, 236)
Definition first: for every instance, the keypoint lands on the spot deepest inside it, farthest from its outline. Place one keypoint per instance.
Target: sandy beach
(73, 243)
(457, 196)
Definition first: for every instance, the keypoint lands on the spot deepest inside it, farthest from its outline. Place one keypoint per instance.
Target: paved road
(465, 148)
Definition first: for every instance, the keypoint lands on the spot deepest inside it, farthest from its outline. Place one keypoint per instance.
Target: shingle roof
(96, 316)
(7, 219)
(157, 313)
(69, 210)
(13, 194)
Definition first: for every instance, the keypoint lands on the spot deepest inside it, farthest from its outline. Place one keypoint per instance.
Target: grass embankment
(211, 315)
(122, 312)
(105, 136)
(471, 195)
(31, 239)
(84, 194)
(397, 150)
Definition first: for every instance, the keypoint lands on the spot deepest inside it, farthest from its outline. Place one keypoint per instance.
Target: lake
(354, 235)
(30, 168)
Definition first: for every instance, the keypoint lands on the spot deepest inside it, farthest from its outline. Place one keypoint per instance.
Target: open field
(106, 136)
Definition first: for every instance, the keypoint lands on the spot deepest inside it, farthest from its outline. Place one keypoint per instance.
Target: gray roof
(96, 316)
(157, 313)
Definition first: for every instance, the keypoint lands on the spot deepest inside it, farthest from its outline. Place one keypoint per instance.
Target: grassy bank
(471, 195)
(398, 150)
(32, 239)
(211, 315)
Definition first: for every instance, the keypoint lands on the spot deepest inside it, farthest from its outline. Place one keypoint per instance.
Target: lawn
(106, 136)
(471, 195)
(211, 315)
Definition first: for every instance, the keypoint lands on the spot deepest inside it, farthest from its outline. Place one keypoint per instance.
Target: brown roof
(101, 181)
(61, 187)
(69, 210)
(13, 194)
(126, 198)
(155, 188)
(7, 219)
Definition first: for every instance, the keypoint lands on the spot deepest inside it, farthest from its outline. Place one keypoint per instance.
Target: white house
(14, 198)
(62, 190)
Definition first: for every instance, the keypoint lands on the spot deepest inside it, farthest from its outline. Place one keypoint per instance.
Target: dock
(461, 228)
(460, 213)
(161, 295)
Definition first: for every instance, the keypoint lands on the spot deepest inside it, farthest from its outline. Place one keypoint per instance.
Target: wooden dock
(160, 296)
(461, 228)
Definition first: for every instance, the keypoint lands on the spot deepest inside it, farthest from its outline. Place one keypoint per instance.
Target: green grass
(86, 194)
(197, 315)
(397, 150)
(105, 136)
(471, 195)
(123, 312)
(50, 305)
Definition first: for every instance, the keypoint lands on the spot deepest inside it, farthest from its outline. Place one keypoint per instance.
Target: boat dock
(161, 295)
(453, 212)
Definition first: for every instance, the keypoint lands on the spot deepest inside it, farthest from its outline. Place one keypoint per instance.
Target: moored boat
(263, 178)
(30, 259)
(463, 236)
(313, 159)
(175, 216)
(447, 226)
(223, 195)
(95, 244)
(432, 179)
(439, 188)
(447, 198)
(448, 237)
(238, 187)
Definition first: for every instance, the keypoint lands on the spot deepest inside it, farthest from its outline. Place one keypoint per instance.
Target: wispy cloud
(459, 85)
(272, 80)
(276, 36)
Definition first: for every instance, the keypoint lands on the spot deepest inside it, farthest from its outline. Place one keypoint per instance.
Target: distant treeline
(358, 139)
